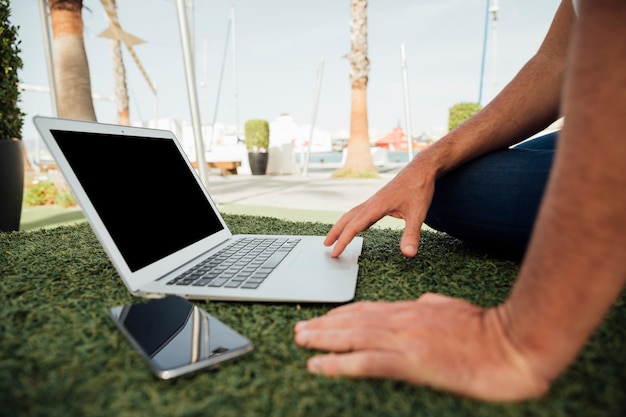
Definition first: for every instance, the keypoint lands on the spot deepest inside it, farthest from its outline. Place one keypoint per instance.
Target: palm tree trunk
(359, 160)
(119, 76)
(71, 68)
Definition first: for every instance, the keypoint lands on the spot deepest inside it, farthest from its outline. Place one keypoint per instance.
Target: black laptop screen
(143, 191)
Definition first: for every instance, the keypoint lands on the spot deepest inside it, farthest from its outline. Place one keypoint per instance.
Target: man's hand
(407, 196)
(438, 341)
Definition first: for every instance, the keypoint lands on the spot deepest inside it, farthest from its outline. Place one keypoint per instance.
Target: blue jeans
(493, 201)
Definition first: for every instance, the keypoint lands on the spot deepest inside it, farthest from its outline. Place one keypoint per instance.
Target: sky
(280, 47)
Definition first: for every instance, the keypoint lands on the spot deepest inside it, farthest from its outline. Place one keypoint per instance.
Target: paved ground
(315, 191)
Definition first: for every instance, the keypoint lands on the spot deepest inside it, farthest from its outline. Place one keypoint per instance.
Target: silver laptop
(164, 234)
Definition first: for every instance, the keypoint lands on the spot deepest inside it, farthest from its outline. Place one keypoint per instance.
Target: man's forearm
(576, 263)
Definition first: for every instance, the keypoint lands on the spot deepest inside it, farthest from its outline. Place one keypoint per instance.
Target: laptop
(163, 232)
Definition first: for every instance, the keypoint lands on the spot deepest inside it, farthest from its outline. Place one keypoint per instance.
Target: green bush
(40, 194)
(46, 193)
(11, 117)
(257, 135)
(460, 112)
(64, 198)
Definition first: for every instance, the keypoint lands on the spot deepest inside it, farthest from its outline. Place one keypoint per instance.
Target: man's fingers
(363, 364)
(334, 233)
(409, 243)
(433, 298)
(345, 340)
(374, 307)
(363, 315)
(352, 223)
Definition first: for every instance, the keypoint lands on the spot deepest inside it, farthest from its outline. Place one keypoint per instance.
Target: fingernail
(315, 365)
(301, 325)
(302, 338)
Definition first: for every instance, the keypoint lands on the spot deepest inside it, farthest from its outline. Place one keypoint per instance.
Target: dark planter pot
(11, 184)
(258, 162)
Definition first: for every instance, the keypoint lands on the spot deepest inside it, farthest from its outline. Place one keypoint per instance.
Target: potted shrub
(11, 121)
(257, 142)
(460, 112)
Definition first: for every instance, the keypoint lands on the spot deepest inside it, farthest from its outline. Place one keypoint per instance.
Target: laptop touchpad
(321, 260)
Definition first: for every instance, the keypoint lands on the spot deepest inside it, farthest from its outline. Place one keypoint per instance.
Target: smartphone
(176, 337)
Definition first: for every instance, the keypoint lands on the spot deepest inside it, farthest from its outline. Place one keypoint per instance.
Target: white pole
(407, 104)
(494, 11)
(318, 85)
(191, 22)
(45, 29)
(205, 69)
(235, 87)
(482, 62)
(219, 84)
(156, 106)
(191, 92)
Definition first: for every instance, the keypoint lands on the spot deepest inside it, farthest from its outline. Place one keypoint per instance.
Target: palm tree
(359, 160)
(119, 72)
(71, 68)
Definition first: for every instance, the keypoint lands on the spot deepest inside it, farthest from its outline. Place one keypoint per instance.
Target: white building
(285, 130)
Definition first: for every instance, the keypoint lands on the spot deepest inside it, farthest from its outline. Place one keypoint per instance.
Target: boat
(396, 141)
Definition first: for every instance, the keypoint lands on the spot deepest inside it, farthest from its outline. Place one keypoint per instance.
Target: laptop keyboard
(244, 263)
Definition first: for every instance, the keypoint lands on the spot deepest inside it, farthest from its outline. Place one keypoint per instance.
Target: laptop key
(261, 273)
(202, 282)
(275, 259)
(218, 282)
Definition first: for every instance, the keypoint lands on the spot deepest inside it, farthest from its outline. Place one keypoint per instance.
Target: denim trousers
(492, 201)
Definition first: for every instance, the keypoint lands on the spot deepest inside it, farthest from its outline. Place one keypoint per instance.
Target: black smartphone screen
(176, 337)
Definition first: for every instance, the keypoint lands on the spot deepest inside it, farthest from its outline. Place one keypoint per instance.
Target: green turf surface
(61, 356)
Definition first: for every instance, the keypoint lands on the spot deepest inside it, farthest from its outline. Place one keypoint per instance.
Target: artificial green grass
(61, 356)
